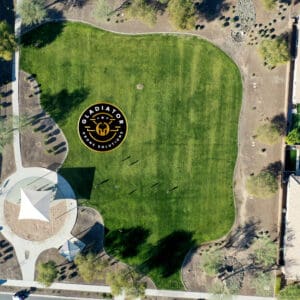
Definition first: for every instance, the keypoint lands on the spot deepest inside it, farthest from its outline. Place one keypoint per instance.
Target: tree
(90, 267)
(290, 292)
(127, 280)
(46, 273)
(182, 13)
(211, 262)
(32, 11)
(262, 185)
(7, 41)
(274, 52)
(264, 252)
(102, 9)
(141, 10)
(263, 283)
(269, 4)
(268, 133)
(293, 137)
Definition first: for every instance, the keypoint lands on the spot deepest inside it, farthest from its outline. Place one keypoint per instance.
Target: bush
(141, 10)
(293, 137)
(263, 185)
(7, 41)
(263, 283)
(218, 289)
(268, 133)
(90, 267)
(265, 252)
(274, 52)
(269, 4)
(32, 11)
(127, 280)
(211, 262)
(46, 273)
(290, 292)
(102, 9)
(182, 13)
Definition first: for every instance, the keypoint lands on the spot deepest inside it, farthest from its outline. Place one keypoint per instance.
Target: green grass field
(168, 187)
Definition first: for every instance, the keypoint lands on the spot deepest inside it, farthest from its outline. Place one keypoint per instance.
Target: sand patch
(35, 230)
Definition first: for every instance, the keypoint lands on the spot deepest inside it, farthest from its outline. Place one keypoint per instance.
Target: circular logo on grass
(102, 127)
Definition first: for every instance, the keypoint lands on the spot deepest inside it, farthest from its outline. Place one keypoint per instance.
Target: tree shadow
(61, 104)
(43, 35)
(211, 9)
(68, 3)
(81, 180)
(279, 121)
(93, 239)
(6, 72)
(167, 256)
(73, 3)
(125, 242)
(274, 168)
(288, 2)
(243, 236)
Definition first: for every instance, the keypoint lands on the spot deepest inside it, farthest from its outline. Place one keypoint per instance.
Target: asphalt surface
(36, 297)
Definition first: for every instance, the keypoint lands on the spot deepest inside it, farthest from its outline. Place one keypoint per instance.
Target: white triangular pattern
(35, 205)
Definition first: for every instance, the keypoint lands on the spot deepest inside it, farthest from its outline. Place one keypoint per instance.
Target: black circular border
(106, 150)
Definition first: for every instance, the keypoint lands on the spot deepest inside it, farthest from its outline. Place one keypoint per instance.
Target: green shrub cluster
(182, 13)
(141, 10)
(269, 4)
(46, 273)
(263, 185)
(293, 137)
(7, 41)
(268, 133)
(274, 52)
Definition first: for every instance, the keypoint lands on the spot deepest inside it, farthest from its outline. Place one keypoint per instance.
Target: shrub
(46, 273)
(7, 41)
(269, 4)
(127, 280)
(182, 13)
(102, 9)
(141, 10)
(268, 133)
(90, 267)
(263, 185)
(265, 252)
(293, 137)
(274, 52)
(32, 11)
(263, 283)
(290, 292)
(211, 262)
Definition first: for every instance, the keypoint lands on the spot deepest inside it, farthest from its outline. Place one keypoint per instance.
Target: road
(8, 296)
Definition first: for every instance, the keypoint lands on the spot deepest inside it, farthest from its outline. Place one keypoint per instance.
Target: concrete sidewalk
(149, 292)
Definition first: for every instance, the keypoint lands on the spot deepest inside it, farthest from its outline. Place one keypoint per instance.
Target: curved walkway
(28, 251)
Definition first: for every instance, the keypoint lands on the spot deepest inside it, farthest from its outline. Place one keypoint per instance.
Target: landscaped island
(168, 187)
